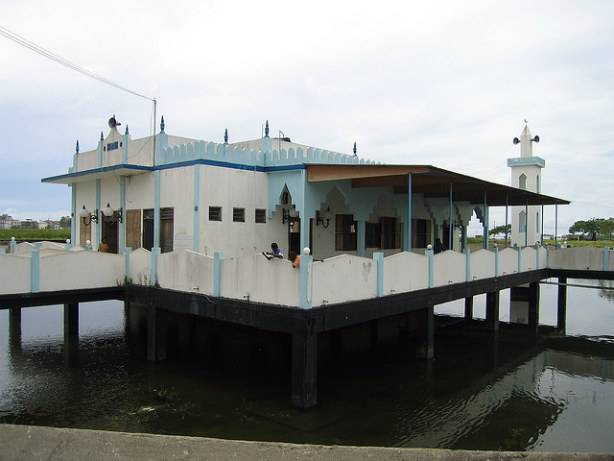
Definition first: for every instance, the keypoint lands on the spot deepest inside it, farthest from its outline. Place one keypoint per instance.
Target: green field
(473, 241)
(35, 234)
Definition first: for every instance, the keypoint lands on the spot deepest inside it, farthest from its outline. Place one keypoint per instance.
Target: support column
(485, 223)
(450, 223)
(156, 242)
(426, 333)
(469, 308)
(492, 311)
(534, 309)
(374, 333)
(360, 237)
(561, 311)
(73, 215)
(156, 334)
(15, 329)
(556, 224)
(98, 234)
(122, 206)
(71, 333)
(304, 369)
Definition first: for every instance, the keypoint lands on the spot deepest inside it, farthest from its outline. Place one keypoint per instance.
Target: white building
(526, 175)
(174, 193)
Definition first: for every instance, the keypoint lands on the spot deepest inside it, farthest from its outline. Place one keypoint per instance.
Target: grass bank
(35, 234)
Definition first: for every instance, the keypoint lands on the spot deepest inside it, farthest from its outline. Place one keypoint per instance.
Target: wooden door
(110, 230)
(133, 229)
(85, 231)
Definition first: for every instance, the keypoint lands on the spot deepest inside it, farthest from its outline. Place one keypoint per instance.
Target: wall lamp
(288, 215)
(323, 219)
(89, 217)
(108, 213)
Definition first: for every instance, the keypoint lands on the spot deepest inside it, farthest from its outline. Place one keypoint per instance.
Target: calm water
(559, 396)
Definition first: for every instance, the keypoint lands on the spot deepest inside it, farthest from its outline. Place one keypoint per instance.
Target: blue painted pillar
(217, 273)
(305, 214)
(196, 216)
(430, 260)
(126, 252)
(519, 258)
(155, 252)
(73, 215)
(156, 209)
(360, 238)
(467, 263)
(496, 249)
(526, 224)
(35, 267)
(378, 260)
(98, 237)
(122, 204)
(536, 256)
(305, 282)
(12, 246)
(410, 205)
(125, 141)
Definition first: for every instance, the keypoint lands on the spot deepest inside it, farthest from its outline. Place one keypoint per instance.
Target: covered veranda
(341, 200)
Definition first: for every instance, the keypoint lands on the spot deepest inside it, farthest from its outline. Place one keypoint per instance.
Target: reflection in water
(516, 396)
(607, 290)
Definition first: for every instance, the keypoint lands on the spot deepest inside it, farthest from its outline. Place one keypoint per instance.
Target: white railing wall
(14, 274)
(343, 278)
(254, 278)
(405, 272)
(186, 271)
(80, 270)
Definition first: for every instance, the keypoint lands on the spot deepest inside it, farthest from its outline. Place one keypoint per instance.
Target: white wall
(14, 274)
(448, 267)
(508, 261)
(577, 258)
(343, 278)
(139, 271)
(405, 272)
(482, 264)
(84, 269)
(186, 270)
(254, 278)
(528, 259)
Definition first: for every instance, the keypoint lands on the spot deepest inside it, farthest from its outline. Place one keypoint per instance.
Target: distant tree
(65, 222)
(500, 230)
(588, 228)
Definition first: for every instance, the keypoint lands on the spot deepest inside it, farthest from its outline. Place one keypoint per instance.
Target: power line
(65, 62)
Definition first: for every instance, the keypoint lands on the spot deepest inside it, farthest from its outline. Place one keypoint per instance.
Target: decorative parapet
(526, 161)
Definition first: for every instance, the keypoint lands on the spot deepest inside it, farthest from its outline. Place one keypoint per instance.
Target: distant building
(8, 222)
(49, 224)
(29, 224)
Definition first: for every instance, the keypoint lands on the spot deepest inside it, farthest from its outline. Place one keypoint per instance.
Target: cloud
(441, 83)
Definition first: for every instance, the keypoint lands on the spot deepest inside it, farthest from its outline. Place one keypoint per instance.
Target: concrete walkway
(47, 443)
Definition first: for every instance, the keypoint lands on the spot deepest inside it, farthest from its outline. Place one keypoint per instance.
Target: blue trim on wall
(378, 259)
(235, 166)
(122, 204)
(73, 215)
(305, 282)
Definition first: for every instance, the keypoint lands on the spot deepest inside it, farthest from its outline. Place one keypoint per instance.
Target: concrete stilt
(156, 334)
(15, 329)
(469, 308)
(374, 330)
(71, 333)
(426, 333)
(304, 370)
(534, 308)
(561, 312)
(492, 311)
(519, 304)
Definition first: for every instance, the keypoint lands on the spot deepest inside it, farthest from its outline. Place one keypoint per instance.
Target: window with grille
(373, 235)
(238, 215)
(215, 213)
(391, 233)
(345, 232)
(260, 216)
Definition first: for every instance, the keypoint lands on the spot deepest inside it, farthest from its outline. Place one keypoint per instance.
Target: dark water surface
(516, 396)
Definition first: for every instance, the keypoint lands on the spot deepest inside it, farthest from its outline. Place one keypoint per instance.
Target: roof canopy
(430, 181)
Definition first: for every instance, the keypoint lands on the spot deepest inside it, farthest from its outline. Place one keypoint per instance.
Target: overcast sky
(443, 83)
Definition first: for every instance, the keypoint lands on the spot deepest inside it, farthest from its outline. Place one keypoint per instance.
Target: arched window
(522, 181)
(522, 222)
(539, 187)
(537, 222)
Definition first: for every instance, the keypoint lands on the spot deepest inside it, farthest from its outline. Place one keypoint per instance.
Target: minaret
(526, 174)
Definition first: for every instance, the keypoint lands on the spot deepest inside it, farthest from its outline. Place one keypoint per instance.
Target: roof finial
(266, 129)
(355, 150)
(162, 124)
(127, 131)
(225, 135)
(77, 147)
(101, 136)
